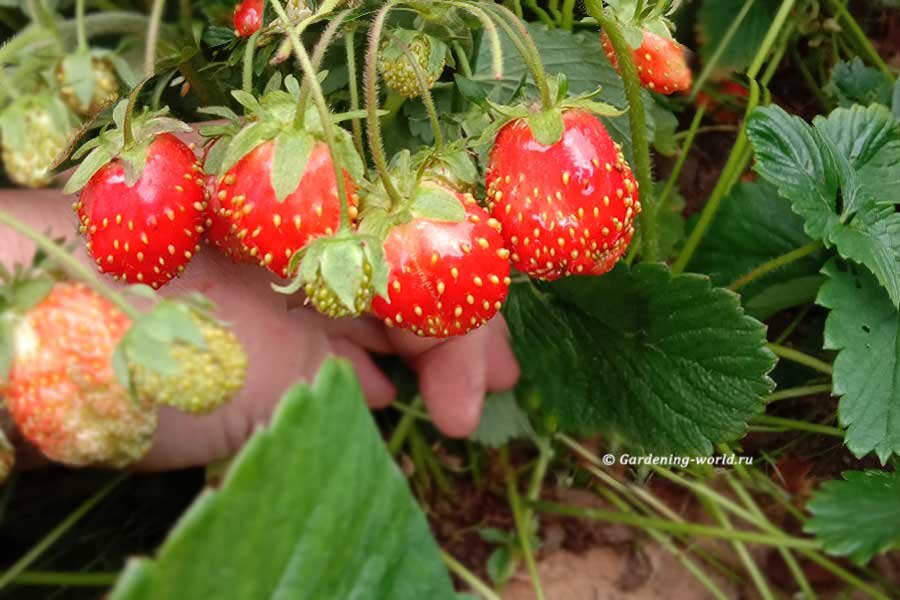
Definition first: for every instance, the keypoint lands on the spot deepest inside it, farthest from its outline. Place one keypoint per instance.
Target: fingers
(502, 367)
(378, 389)
(365, 332)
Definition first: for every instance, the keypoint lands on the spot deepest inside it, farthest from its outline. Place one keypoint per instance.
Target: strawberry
(34, 134)
(61, 390)
(726, 102)
(219, 228)
(104, 89)
(567, 208)
(248, 17)
(141, 211)
(396, 68)
(7, 457)
(661, 63)
(207, 376)
(446, 278)
(273, 231)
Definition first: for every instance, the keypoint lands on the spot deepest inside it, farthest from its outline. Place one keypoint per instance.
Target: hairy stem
(356, 124)
(424, 91)
(775, 264)
(637, 120)
(468, 577)
(798, 392)
(156, 14)
(319, 51)
(797, 425)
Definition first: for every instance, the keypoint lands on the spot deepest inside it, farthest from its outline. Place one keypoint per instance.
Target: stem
(425, 93)
(350, 46)
(530, 54)
(786, 424)
(774, 264)
(247, 72)
(318, 55)
(59, 579)
(682, 157)
(713, 61)
(784, 11)
(800, 358)
(325, 116)
(798, 392)
(407, 421)
(376, 143)
(859, 36)
(842, 573)
(810, 81)
(568, 14)
(462, 59)
(71, 264)
(541, 13)
(48, 540)
(153, 37)
(493, 35)
(79, 25)
(637, 120)
(468, 577)
(759, 580)
(523, 524)
(782, 541)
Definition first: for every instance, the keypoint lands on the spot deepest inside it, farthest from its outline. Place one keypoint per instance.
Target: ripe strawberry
(219, 228)
(446, 278)
(396, 68)
(207, 377)
(146, 232)
(61, 390)
(7, 457)
(34, 131)
(661, 63)
(566, 209)
(248, 17)
(273, 231)
(105, 89)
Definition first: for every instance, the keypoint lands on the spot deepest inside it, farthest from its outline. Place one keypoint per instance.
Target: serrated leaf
(546, 126)
(432, 202)
(292, 150)
(864, 328)
(247, 100)
(325, 476)
(855, 83)
(753, 226)
(502, 420)
(858, 516)
(831, 174)
(672, 364)
(342, 269)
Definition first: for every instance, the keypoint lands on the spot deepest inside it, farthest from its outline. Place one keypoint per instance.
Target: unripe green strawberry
(397, 70)
(207, 377)
(105, 89)
(34, 130)
(326, 301)
(7, 457)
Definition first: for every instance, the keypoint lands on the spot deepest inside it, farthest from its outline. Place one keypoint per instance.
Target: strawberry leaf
(502, 420)
(325, 475)
(864, 327)
(858, 516)
(292, 149)
(672, 364)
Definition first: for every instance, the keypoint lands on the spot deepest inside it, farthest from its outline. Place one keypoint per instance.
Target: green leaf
(855, 83)
(670, 363)
(753, 226)
(313, 507)
(88, 167)
(833, 175)
(501, 421)
(432, 202)
(716, 16)
(247, 100)
(546, 126)
(864, 328)
(292, 149)
(859, 516)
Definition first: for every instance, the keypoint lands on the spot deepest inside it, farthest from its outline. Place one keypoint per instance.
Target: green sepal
(342, 266)
(149, 339)
(245, 142)
(292, 150)
(7, 344)
(547, 126)
(380, 271)
(78, 73)
(438, 203)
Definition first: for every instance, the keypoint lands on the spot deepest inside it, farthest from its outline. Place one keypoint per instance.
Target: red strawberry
(726, 103)
(445, 278)
(566, 209)
(273, 231)
(661, 63)
(148, 232)
(219, 227)
(61, 390)
(248, 17)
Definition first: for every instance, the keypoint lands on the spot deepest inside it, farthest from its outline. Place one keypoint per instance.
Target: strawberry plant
(614, 270)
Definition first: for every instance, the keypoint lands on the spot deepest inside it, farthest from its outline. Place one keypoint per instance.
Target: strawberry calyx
(653, 18)
(113, 144)
(453, 167)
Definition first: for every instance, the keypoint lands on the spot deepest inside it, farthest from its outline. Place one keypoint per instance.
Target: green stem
(48, 540)
(318, 56)
(325, 116)
(356, 124)
(859, 36)
(568, 14)
(800, 358)
(783, 541)
(795, 322)
(784, 12)
(492, 33)
(406, 423)
(759, 580)
(156, 14)
(468, 577)
(71, 264)
(682, 157)
(463, 60)
(63, 579)
(798, 392)
(843, 574)
(794, 424)
(247, 72)
(541, 13)
(713, 61)
(185, 15)
(424, 92)
(79, 25)
(640, 143)
(373, 124)
(523, 526)
(774, 264)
